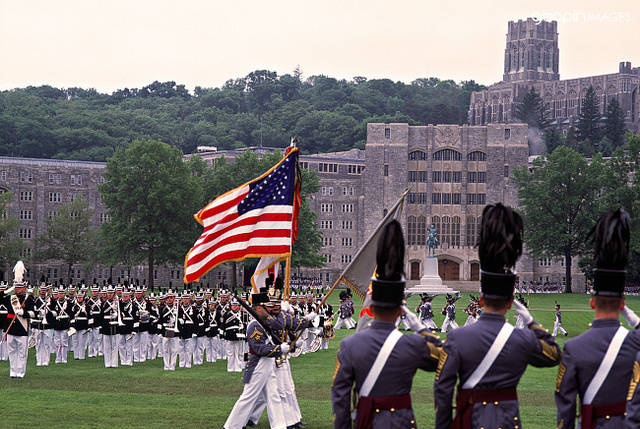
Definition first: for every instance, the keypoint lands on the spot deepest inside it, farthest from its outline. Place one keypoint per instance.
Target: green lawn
(86, 395)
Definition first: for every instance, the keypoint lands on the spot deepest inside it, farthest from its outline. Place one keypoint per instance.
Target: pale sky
(111, 44)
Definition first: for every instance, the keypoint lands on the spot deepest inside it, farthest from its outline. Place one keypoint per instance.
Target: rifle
(252, 312)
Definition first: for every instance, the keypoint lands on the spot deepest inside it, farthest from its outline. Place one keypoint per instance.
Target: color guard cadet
(21, 310)
(259, 376)
(489, 357)
(126, 330)
(186, 330)
(43, 332)
(94, 304)
(170, 338)
(80, 324)
(141, 340)
(110, 316)
(598, 365)
(60, 320)
(234, 334)
(380, 360)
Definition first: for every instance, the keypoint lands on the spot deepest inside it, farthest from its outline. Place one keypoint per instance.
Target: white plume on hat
(18, 272)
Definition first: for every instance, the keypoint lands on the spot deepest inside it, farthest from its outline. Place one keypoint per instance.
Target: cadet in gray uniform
(598, 364)
(490, 356)
(384, 400)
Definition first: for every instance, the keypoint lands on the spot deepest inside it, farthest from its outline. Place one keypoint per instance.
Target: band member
(383, 389)
(94, 305)
(557, 324)
(110, 316)
(186, 330)
(44, 333)
(60, 320)
(598, 365)
(80, 323)
(490, 356)
(169, 326)
(141, 340)
(126, 329)
(234, 333)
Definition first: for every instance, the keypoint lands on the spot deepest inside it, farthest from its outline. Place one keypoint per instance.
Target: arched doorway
(415, 270)
(475, 271)
(448, 269)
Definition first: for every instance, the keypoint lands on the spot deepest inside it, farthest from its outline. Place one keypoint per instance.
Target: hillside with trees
(262, 108)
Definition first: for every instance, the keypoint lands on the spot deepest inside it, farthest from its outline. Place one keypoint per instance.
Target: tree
(558, 227)
(151, 196)
(571, 140)
(531, 110)
(588, 127)
(552, 139)
(614, 125)
(69, 237)
(10, 245)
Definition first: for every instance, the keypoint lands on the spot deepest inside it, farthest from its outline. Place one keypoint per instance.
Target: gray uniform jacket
(463, 351)
(633, 398)
(259, 347)
(580, 360)
(355, 358)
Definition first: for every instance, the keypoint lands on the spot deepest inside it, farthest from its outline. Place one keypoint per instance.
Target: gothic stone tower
(532, 51)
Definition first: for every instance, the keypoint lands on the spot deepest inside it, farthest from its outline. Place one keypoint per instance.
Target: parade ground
(83, 394)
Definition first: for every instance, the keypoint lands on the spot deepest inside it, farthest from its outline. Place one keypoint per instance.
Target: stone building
(531, 59)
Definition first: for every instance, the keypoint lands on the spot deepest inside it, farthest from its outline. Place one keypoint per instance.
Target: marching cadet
(186, 330)
(71, 299)
(169, 326)
(344, 313)
(60, 320)
(201, 328)
(110, 317)
(5, 303)
(383, 387)
(141, 340)
(44, 333)
(80, 323)
(450, 312)
(325, 311)
(94, 305)
(490, 356)
(426, 312)
(213, 345)
(471, 310)
(557, 324)
(155, 333)
(259, 376)
(126, 330)
(224, 308)
(598, 365)
(234, 334)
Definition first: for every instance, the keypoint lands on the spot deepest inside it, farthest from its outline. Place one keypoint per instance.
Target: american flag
(255, 219)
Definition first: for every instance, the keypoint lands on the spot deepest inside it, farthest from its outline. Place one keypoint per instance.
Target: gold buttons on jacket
(483, 403)
(377, 410)
(392, 410)
(496, 403)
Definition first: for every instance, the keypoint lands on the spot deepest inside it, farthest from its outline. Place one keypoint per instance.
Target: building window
(418, 198)
(506, 171)
(324, 167)
(26, 177)
(387, 133)
(304, 165)
(455, 198)
(457, 176)
(55, 197)
(327, 258)
(418, 176)
(447, 155)
(472, 177)
(347, 208)
(436, 198)
(417, 155)
(471, 199)
(326, 224)
(26, 214)
(355, 169)
(345, 259)
(26, 253)
(386, 170)
(482, 199)
(26, 196)
(3, 175)
(347, 241)
(25, 233)
(476, 156)
(51, 214)
(446, 198)
(507, 133)
(347, 224)
(473, 231)
(326, 208)
(436, 176)
(482, 177)
(73, 179)
(327, 241)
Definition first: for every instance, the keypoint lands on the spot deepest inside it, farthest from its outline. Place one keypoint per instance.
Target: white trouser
(448, 324)
(125, 349)
(61, 345)
(82, 337)
(73, 343)
(212, 344)
(170, 352)
(287, 393)
(44, 341)
(155, 341)
(470, 320)
(263, 382)
(18, 349)
(94, 342)
(235, 356)
(4, 350)
(224, 346)
(185, 351)
(341, 322)
(110, 350)
(558, 327)
(198, 350)
(325, 344)
(140, 346)
(429, 323)
(404, 323)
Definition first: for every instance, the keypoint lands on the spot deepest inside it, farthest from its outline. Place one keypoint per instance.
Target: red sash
(367, 405)
(590, 413)
(467, 397)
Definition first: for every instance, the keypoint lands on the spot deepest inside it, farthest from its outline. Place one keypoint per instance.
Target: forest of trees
(262, 108)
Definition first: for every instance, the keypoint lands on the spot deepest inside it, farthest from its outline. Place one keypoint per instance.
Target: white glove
(284, 348)
(411, 320)
(284, 306)
(310, 316)
(632, 319)
(523, 312)
(20, 312)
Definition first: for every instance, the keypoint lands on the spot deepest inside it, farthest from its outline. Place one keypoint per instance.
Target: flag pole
(287, 278)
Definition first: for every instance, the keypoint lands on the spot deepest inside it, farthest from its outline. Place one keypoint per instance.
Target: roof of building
(52, 162)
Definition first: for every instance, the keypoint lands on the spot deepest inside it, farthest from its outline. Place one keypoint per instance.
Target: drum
(327, 330)
(315, 344)
(296, 352)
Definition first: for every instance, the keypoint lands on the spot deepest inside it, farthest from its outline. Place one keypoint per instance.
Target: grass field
(83, 394)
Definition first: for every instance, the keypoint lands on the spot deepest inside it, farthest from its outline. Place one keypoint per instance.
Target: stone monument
(431, 282)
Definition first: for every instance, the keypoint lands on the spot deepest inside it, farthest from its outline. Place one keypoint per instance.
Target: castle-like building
(531, 59)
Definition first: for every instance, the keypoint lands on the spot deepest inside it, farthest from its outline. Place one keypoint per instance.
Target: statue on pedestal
(432, 241)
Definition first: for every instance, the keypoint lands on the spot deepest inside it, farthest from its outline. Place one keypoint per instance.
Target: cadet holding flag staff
(380, 360)
(598, 364)
(490, 356)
